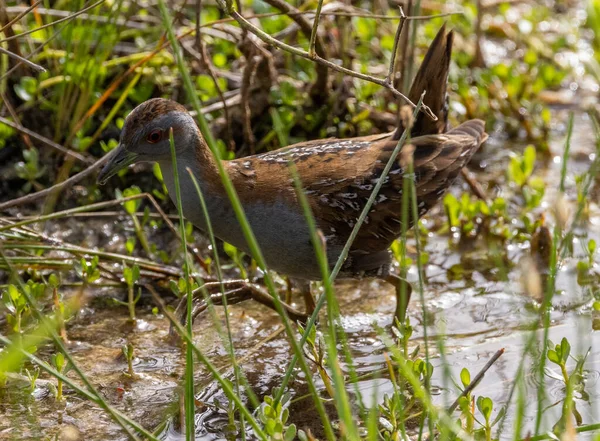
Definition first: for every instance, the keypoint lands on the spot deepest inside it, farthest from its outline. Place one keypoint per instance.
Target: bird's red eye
(154, 136)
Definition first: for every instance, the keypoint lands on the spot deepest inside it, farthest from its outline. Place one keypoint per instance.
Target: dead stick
(473, 384)
(48, 142)
(60, 186)
(473, 184)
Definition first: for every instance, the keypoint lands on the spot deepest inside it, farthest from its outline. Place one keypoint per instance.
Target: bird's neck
(200, 163)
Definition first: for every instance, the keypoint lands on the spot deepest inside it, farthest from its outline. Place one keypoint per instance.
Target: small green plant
(30, 170)
(485, 405)
(520, 171)
(58, 361)
(131, 276)
(179, 287)
(585, 266)
(16, 303)
(17, 306)
(32, 376)
(238, 258)
(128, 353)
(465, 403)
(559, 355)
(470, 216)
(131, 207)
(58, 305)
(402, 405)
(88, 270)
(403, 332)
(315, 352)
(274, 417)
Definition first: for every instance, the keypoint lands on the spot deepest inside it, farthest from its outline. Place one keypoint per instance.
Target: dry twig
(473, 384)
(245, 24)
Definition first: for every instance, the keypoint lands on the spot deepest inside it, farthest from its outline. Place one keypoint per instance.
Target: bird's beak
(120, 159)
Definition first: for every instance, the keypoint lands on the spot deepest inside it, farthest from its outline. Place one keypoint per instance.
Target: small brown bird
(338, 176)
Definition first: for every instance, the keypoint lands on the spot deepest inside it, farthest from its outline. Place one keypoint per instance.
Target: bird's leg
(403, 292)
(309, 300)
(288, 289)
(235, 291)
(304, 287)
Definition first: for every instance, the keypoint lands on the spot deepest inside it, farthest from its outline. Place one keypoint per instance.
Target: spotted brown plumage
(337, 175)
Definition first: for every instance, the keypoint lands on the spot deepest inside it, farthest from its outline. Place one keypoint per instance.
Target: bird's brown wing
(437, 161)
(321, 165)
(339, 176)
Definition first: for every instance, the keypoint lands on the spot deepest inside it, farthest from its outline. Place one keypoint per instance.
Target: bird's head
(145, 135)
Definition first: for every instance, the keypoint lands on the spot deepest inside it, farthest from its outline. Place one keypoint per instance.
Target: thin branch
(46, 141)
(245, 24)
(473, 384)
(395, 47)
(20, 15)
(313, 35)
(22, 60)
(60, 186)
(70, 17)
(334, 13)
(473, 184)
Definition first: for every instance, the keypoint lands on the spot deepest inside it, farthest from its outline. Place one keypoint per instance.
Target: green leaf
(269, 411)
(465, 377)
(127, 276)
(58, 360)
(485, 406)
(270, 426)
(591, 246)
(528, 161)
(53, 280)
(130, 244)
(27, 88)
(553, 356)
(515, 174)
(132, 206)
(565, 349)
(290, 433)
(452, 207)
(219, 60)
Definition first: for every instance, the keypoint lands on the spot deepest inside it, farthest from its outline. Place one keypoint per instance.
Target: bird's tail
(432, 77)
